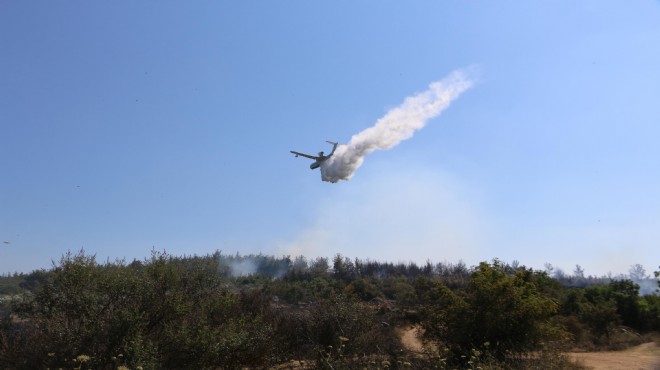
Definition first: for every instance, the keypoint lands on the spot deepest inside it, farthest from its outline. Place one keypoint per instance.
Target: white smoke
(397, 125)
(243, 267)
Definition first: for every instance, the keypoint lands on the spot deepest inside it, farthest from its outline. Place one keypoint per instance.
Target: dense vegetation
(224, 311)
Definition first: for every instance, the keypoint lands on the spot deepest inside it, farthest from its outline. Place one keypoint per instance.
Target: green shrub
(498, 313)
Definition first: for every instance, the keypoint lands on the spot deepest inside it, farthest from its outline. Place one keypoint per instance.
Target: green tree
(163, 312)
(498, 312)
(363, 289)
(601, 318)
(650, 312)
(626, 295)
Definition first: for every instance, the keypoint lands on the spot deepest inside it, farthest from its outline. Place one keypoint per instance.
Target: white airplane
(320, 158)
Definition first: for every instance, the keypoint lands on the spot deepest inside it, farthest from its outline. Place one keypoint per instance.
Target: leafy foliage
(498, 312)
(257, 311)
(149, 314)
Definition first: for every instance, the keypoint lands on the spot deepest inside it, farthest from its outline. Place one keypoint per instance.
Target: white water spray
(397, 125)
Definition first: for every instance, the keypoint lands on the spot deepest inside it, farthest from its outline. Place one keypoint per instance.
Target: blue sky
(128, 126)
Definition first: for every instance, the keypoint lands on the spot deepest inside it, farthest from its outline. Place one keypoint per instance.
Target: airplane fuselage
(317, 159)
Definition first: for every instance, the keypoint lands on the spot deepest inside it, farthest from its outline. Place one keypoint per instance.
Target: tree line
(258, 311)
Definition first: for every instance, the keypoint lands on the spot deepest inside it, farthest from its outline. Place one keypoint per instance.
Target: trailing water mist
(397, 125)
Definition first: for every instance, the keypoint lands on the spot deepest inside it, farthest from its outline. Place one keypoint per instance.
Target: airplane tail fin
(334, 146)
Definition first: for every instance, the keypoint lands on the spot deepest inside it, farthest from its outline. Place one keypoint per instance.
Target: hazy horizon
(131, 126)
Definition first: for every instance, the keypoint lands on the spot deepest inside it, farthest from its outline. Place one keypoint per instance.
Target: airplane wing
(305, 155)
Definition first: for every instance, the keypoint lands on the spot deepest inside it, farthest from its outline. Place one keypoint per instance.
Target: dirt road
(643, 357)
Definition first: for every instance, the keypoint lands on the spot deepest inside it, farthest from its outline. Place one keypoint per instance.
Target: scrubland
(234, 312)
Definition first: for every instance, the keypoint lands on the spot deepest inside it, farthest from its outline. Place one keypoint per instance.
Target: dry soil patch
(643, 357)
(410, 338)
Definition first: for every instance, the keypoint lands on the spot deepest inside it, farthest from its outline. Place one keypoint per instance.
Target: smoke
(244, 267)
(424, 212)
(647, 286)
(259, 264)
(397, 125)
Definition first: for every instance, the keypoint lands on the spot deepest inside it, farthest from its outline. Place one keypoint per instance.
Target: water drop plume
(397, 125)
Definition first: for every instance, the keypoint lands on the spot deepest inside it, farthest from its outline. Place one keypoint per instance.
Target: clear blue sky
(128, 126)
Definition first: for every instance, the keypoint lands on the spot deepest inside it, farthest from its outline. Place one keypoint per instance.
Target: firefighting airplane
(320, 158)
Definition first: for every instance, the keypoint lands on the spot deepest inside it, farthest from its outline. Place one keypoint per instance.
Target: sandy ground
(643, 357)
(410, 340)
